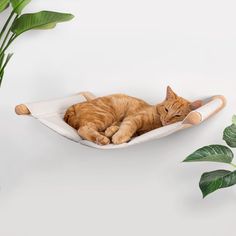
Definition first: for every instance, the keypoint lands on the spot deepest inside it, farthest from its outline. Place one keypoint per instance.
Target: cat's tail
(69, 113)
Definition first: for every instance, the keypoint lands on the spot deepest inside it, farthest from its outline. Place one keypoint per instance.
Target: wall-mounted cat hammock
(51, 113)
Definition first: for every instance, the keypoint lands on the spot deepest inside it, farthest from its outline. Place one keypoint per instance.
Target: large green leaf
(212, 181)
(230, 135)
(3, 4)
(212, 153)
(40, 20)
(19, 5)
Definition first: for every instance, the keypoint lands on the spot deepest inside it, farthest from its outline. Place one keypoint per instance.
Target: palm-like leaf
(19, 5)
(3, 4)
(40, 20)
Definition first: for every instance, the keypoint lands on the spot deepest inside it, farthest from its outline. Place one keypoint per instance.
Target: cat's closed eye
(166, 109)
(177, 115)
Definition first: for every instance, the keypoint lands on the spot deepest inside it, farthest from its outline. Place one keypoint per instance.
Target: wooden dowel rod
(194, 118)
(222, 98)
(22, 110)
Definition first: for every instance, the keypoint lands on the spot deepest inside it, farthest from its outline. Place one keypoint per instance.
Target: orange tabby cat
(119, 117)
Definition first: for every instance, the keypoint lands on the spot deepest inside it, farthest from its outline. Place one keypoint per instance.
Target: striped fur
(117, 118)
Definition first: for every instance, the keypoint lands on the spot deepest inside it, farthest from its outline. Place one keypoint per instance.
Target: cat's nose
(167, 121)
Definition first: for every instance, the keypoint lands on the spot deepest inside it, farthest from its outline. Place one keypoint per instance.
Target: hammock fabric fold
(51, 113)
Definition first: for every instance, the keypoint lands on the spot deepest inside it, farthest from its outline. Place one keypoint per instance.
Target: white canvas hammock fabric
(51, 113)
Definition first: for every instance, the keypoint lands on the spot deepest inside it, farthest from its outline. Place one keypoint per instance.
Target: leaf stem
(13, 37)
(232, 164)
(6, 62)
(6, 24)
(7, 35)
(4, 66)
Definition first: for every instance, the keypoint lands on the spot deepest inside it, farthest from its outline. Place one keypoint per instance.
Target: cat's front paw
(119, 139)
(110, 131)
(102, 140)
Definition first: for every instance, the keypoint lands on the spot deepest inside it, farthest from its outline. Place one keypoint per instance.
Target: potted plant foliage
(17, 24)
(217, 179)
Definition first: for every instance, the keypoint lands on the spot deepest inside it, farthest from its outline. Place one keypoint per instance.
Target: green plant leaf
(40, 20)
(212, 153)
(3, 4)
(19, 5)
(230, 135)
(234, 119)
(214, 180)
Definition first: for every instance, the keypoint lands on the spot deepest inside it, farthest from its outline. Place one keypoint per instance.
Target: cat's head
(175, 108)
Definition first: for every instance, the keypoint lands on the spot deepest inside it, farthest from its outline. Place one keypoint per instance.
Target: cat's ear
(195, 105)
(170, 93)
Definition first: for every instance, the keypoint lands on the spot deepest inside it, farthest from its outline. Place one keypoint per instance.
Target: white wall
(51, 186)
